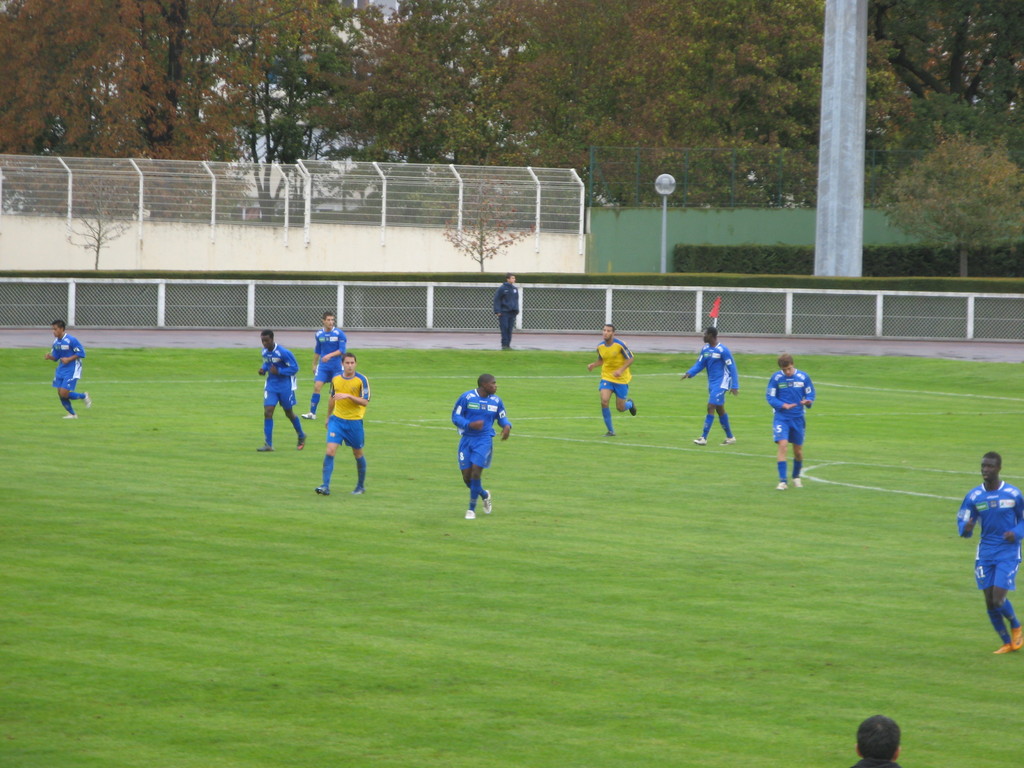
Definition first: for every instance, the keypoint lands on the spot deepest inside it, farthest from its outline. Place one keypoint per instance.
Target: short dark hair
(712, 331)
(785, 359)
(608, 325)
(350, 354)
(59, 324)
(509, 274)
(328, 313)
(267, 333)
(878, 738)
(483, 378)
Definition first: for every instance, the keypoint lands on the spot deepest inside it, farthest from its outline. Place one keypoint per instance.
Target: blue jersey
(287, 367)
(66, 346)
(783, 389)
(1000, 511)
(333, 340)
(471, 406)
(718, 363)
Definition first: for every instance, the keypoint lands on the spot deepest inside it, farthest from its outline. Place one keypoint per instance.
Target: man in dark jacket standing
(506, 307)
(878, 743)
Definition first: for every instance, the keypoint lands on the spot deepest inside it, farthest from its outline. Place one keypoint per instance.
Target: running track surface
(116, 338)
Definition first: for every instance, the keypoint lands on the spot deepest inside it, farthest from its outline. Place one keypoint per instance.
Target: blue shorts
(345, 432)
(717, 396)
(474, 451)
(790, 429)
(327, 371)
(65, 382)
(996, 573)
(621, 390)
(273, 397)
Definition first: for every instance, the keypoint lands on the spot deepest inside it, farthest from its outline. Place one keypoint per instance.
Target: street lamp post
(665, 185)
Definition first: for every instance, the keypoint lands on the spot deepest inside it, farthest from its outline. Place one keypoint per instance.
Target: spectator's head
(510, 277)
(878, 738)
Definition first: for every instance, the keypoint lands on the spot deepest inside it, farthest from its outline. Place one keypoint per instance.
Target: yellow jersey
(349, 409)
(614, 356)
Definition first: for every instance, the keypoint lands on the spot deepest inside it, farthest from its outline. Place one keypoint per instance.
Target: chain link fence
(468, 306)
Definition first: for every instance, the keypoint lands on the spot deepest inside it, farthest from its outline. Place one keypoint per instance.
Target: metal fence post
(458, 178)
(142, 208)
(72, 300)
(70, 194)
(970, 317)
(536, 220)
(161, 304)
(383, 204)
(430, 306)
(307, 194)
(879, 309)
(583, 209)
(250, 304)
(608, 292)
(213, 202)
(340, 310)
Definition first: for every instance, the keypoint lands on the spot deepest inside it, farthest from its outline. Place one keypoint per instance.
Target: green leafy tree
(960, 64)
(963, 194)
(432, 81)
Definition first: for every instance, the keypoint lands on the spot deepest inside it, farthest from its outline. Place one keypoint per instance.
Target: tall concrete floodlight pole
(839, 235)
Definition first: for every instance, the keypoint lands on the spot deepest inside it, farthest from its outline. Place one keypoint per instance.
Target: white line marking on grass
(958, 395)
(875, 488)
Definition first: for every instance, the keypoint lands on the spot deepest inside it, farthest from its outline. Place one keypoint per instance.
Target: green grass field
(172, 598)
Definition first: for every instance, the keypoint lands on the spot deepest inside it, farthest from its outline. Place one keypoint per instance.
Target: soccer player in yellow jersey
(615, 359)
(345, 422)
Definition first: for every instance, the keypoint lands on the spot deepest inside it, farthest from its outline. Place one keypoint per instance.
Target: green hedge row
(879, 261)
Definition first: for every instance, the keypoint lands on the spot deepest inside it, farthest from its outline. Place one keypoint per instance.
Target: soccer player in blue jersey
(1000, 507)
(330, 346)
(789, 392)
(615, 360)
(474, 415)
(280, 367)
(716, 360)
(345, 423)
(69, 353)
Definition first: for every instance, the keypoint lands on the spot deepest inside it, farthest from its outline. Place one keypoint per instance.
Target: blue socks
(708, 421)
(77, 396)
(328, 470)
(797, 466)
(67, 405)
(476, 489)
(314, 401)
(1007, 611)
(995, 615)
(606, 414)
(298, 426)
(782, 471)
(361, 471)
(723, 419)
(268, 431)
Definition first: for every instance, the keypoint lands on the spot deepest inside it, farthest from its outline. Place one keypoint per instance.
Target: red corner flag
(713, 314)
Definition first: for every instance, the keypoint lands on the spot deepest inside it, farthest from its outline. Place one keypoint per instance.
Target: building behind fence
(467, 306)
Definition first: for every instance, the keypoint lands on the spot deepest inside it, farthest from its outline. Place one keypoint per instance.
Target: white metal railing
(544, 200)
(100, 302)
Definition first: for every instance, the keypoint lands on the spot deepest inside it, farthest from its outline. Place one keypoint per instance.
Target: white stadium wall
(33, 243)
